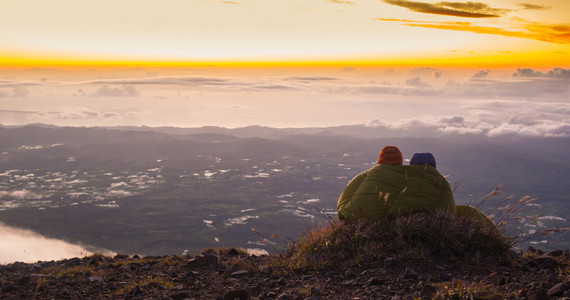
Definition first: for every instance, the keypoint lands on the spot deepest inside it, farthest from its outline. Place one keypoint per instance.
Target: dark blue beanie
(422, 158)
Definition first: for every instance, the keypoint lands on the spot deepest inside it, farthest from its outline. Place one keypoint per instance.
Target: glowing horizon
(540, 60)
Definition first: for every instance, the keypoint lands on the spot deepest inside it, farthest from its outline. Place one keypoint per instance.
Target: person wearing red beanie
(390, 155)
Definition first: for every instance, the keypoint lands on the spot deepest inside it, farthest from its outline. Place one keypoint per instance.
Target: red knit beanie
(390, 155)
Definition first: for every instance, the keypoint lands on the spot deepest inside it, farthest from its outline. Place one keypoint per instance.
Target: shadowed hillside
(417, 256)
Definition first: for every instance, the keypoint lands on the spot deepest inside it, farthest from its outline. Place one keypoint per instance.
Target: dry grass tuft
(80, 271)
(515, 217)
(146, 283)
(416, 235)
(223, 251)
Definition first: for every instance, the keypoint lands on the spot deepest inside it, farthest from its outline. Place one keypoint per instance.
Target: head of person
(423, 159)
(390, 155)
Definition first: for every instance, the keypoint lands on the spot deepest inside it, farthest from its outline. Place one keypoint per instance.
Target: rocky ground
(235, 275)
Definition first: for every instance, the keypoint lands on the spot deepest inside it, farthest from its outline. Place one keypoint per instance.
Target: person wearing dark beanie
(390, 155)
(423, 158)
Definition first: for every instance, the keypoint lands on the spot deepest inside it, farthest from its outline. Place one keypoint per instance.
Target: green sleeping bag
(469, 211)
(385, 190)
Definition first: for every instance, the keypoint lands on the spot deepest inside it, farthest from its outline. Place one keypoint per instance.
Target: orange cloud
(552, 33)
(529, 6)
(457, 9)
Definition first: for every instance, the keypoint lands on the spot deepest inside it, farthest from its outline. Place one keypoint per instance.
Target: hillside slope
(338, 261)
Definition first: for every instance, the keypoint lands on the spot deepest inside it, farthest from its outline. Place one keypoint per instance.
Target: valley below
(152, 191)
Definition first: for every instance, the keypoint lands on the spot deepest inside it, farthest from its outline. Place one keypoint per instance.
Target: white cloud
(490, 118)
(124, 91)
(427, 71)
(460, 130)
(546, 129)
(15, 91)
(108, 115)
(377, 123)
(554, 73)
(76, 114)
(416, 82)
(20, 91)
(181, 81)
(368, 89)
(412, 124)
(453, 120)
(523, 84)
(481, 74)
(79, 93)
(519, 118)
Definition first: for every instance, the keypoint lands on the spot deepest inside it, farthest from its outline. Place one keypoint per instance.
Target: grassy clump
(146, 283)
(414, 235)
(79, 271)
(223, 251)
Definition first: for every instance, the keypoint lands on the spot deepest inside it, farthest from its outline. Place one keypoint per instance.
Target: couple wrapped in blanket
(391, 188)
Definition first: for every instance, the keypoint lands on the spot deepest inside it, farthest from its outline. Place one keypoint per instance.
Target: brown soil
(231, 275)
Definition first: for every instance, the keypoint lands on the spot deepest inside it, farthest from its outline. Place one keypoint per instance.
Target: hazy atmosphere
(519, 101)
(458, 71)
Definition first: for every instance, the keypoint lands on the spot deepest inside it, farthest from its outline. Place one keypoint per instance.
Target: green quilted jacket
(387, 189)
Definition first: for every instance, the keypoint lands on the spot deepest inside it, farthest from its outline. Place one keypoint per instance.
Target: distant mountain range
(165, 190)
(357, 131)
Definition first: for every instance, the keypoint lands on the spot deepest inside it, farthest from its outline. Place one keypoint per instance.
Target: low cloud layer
(27, 246)
(481, 74)
(498, 118)
(123, 91)
(525, 83)
(77, 114)
(556, 73)
(440, 101)
(15, 91)
(183, 81)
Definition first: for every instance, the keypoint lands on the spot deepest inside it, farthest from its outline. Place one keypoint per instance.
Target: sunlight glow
(256, 33)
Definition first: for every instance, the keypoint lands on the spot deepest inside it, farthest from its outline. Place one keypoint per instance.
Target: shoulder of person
(422, 169)
(381, 167)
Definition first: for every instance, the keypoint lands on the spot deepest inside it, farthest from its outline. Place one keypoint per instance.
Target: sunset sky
(287, 63)
(393, 32)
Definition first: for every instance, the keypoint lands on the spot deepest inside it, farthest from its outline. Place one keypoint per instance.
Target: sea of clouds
(522, 101)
